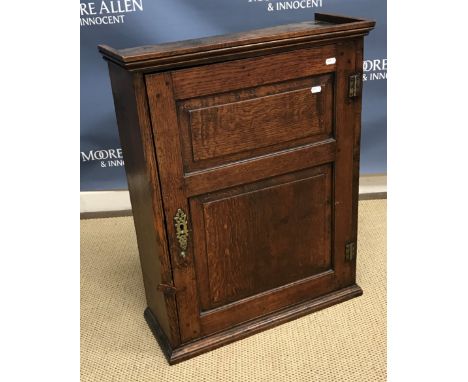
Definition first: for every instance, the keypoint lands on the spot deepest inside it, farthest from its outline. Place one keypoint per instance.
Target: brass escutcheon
(181, 230)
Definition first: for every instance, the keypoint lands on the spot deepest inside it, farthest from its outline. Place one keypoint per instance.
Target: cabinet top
(237, 45)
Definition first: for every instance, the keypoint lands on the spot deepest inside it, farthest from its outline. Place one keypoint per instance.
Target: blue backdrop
(128, 23)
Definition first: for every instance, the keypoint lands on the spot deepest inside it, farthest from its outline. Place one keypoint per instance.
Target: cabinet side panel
(140, 164)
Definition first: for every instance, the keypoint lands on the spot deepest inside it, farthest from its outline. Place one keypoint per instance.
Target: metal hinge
(350, 251)
(355, 85)
(167, 289)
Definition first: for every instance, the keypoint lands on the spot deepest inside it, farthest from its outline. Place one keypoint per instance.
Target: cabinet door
(256, 166)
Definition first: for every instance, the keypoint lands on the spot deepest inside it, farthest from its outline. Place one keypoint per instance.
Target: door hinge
(167, 289)
(355, 85)
(350, 251)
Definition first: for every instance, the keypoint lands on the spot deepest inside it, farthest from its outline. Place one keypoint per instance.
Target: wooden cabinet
(242, 159)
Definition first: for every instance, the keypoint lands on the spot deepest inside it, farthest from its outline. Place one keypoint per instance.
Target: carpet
(346, 342)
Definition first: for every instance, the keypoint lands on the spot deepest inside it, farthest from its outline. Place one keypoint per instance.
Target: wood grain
(143, 182)
(209, 49)
(254, 72)
(359, 56)
(268, 225)
(264, 128)
(343, 202)
(207, 343)
(226, 129)
(164, 118)
(257, 168)
(237, 127)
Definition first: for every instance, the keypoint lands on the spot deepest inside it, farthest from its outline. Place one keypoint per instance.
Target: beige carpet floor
(346, 342)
